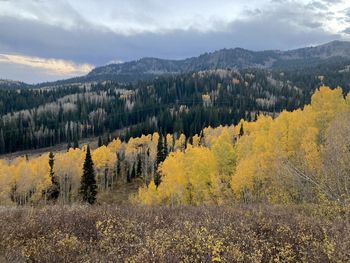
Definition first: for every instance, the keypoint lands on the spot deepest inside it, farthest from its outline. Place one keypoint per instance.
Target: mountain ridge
(148, 68)
(234, 58)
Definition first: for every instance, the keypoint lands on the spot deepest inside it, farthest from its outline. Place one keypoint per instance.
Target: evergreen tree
(161, 155)
(133, 172)
(54, 190)
(109, 139)
(165, 148)
(128, 175)
(69, 146)
(157, 178)
(88, 187)
(76, 143)
(241, 131)
(99, 141)
(2, 142)
(160, 151)
(139, 167)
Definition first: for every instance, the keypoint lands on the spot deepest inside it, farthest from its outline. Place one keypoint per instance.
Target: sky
(45, 40)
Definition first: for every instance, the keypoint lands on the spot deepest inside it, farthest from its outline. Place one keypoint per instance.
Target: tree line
(300, 156)
(186, 103)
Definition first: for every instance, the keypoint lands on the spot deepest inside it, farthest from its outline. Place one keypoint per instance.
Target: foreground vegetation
(188, 234)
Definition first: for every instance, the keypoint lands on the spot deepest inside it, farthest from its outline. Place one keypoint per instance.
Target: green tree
(241, 131)
(139, 167)
(54, 190)
(69, 146)
(165, 148)
(162, 152)
(2, 142)
(88, 187)
(75, 143)
(133, 172)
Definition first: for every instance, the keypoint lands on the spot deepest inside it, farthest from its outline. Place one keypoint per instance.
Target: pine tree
(241, 131)
(157, 178)
(2, 142)
(139, 167)
(128, 175)
(88, 188)
(75, 143)
(109, 139)
(69, 146)
(160, 151)
(165, 148)
(133, 172)
(54, 190)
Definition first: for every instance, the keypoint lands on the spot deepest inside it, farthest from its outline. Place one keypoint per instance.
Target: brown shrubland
(240, 233)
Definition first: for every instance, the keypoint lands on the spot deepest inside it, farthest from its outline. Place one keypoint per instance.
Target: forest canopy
(299, 156)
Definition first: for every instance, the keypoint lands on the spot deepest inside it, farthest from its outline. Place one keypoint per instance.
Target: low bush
(241, 233)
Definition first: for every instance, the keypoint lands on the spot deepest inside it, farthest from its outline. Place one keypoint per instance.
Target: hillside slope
(237, 58)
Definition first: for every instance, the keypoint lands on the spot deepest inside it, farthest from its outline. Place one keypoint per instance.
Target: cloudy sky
(43, 40)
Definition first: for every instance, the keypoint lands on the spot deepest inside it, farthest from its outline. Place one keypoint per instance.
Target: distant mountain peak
(147, 68)
(238, 58)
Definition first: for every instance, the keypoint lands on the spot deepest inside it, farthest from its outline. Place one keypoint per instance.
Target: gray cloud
(281, 25)
(347, 12)
(332, 1)
(347, 31)
(317, 5)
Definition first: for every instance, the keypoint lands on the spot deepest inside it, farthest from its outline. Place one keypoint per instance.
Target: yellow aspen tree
(115, 145)
(69, 169)
(225, 156)
(195, 140)
(180, 143)
(104, 161)
(41, 176)
(189, 177)
(5, 183)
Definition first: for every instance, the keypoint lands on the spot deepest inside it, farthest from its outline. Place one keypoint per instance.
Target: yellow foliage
(294, 137)
(115, 145)
(148, 195)
(103, 157)
(265, 163)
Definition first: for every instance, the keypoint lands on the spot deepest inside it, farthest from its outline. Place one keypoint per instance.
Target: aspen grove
(298, 157)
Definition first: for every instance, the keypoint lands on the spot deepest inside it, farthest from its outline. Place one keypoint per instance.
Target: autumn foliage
(297, 157)
(281, 160)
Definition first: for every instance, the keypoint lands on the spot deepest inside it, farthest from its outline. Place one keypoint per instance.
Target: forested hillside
(186, 103)
(300, 156)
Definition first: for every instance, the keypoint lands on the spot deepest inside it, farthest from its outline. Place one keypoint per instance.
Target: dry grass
(159, 234)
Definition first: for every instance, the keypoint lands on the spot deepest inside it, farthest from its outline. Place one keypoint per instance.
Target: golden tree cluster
(300, 156)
